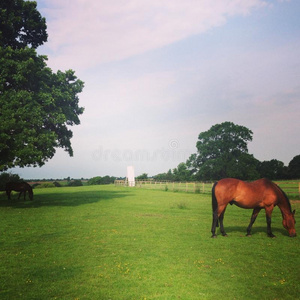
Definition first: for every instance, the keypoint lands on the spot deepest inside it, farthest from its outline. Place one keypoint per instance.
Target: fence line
(291, 188)
(188, 187)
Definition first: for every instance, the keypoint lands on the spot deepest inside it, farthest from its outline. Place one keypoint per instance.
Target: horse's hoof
(272, 236)
(249, 234)
(213, 236)
(225, 235)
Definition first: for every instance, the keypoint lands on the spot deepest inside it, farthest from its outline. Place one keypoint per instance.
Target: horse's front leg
(252, 220)
(269, 211)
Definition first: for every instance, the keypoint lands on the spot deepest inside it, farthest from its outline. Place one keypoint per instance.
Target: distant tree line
(44, 183)
(223, 152)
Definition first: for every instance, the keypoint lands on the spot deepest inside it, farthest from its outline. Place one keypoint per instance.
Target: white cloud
(84, 33)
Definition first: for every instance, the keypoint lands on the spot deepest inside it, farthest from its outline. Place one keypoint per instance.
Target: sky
(159, 72)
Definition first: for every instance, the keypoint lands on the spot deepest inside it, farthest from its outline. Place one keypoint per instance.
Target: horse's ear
(294, 211)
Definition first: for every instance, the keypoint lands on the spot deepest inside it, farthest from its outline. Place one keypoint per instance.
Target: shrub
(75, 182)
(182, 205)
(101, 180)
(8, 177)
(95, 180)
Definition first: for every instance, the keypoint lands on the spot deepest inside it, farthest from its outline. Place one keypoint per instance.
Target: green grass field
(107, 242)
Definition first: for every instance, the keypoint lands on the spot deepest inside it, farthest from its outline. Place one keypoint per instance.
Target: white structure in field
(130, 176)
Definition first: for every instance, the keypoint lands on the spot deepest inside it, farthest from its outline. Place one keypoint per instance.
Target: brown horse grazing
(256, 195)
(21, 187)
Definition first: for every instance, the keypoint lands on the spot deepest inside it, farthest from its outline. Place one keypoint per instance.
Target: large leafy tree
(36, 105)
(223, 152)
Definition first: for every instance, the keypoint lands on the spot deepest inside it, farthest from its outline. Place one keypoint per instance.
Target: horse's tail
(214, 202)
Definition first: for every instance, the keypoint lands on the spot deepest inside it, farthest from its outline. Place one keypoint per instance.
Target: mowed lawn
(107, 242)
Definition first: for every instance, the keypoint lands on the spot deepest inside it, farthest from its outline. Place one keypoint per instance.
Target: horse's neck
(284, 207)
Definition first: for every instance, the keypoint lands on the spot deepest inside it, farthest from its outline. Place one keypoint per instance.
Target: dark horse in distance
(21, 187)
(255, 195)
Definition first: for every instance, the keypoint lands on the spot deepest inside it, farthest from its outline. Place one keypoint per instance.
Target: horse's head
(289, 222)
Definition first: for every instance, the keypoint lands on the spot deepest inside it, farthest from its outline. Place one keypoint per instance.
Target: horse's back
(18, 186)
(259, 193)
(9, 186)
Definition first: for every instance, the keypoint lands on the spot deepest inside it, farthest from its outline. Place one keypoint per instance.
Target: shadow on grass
(62, 199)
(242, 230)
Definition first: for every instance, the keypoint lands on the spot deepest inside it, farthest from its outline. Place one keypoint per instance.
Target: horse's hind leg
(214, 224)
(221, 223)
(253, 218)
(215, 212)
(8, 192)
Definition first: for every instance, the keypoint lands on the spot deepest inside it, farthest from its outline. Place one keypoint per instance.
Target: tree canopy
(294, 167)
(273, 169)
(36, 105)
(21, 24)
(223, 152)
